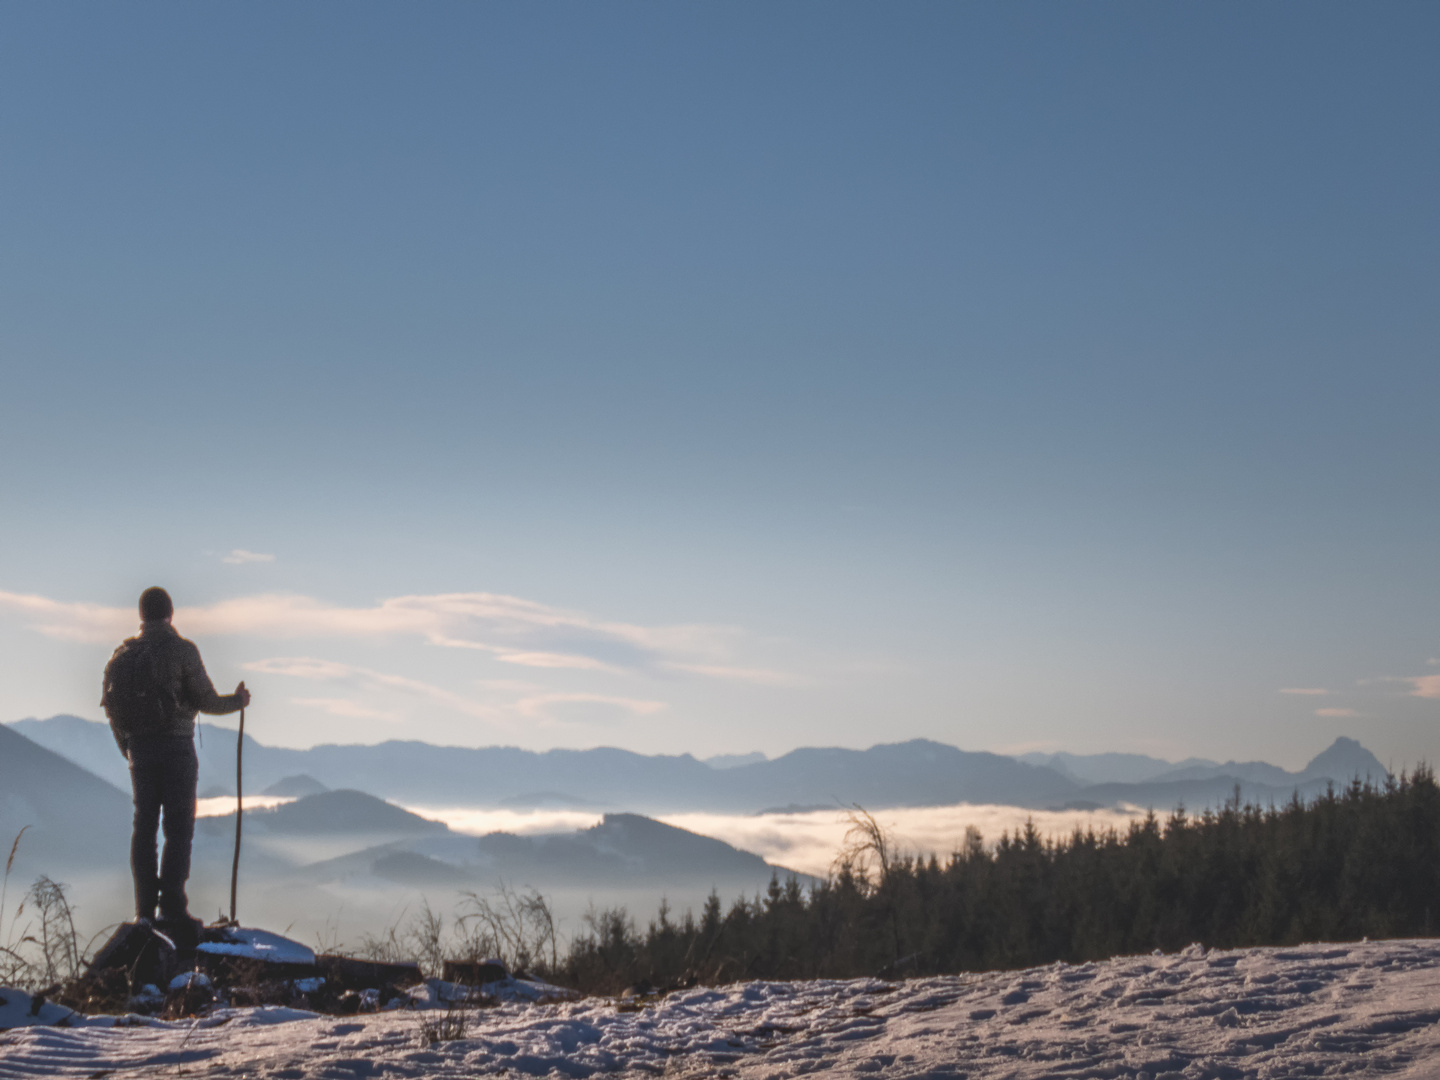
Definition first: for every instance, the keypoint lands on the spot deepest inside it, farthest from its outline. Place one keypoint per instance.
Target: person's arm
(200, 691)
(120, 739)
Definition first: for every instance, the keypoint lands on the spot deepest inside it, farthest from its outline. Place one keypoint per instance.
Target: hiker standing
(154, 685)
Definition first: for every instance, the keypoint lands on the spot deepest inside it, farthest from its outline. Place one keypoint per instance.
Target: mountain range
(918, 773)
(340, 858)
(344, 853)
(915, 773)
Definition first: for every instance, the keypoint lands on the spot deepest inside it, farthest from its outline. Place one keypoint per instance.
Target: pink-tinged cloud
(1336, 712)
(760, 676)
(1314, 691)
(523, 702)
(351, 710)
(72, 621)
(1426, 686)
(328, 671)
(536, 706)
(513, 630)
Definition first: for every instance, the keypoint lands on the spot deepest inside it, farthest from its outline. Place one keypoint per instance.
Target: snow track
(1364, 1009)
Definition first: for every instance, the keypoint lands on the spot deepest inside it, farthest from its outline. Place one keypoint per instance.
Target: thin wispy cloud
(70, 621)
(537, 706)
(365, 679)
(345, 707)
(1424, 686)
(1306, 690)
(760, 676)
(240, 556)
(513, 630)
(528, 705)
(1336, 712)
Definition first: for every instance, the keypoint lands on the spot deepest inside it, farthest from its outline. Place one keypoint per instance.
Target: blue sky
(723, 377)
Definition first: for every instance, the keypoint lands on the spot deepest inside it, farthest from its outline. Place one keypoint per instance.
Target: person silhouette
(154, 685)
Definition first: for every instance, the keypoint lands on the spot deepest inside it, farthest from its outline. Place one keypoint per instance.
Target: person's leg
(182, 770)
(145, 785)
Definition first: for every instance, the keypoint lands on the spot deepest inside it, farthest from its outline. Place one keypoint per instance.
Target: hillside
(623, 850)
(74, 816)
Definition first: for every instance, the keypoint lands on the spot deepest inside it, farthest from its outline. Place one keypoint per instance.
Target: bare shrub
(386, 947)
(12, 964)
(867, 854)
(421, 937)
(517, 927)
(446, 1027)
(45, 950)
(58, 946)
(425, 936)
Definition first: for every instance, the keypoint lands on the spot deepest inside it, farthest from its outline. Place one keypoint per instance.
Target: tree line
(1363, 860)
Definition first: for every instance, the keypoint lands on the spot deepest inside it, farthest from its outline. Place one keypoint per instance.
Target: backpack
(138, 699)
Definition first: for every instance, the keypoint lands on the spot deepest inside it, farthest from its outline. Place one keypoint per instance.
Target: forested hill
(1360, 862)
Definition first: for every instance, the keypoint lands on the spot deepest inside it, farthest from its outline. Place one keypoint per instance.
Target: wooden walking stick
(239, 813)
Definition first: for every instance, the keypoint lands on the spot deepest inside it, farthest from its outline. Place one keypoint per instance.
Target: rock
(19, 1009)
(474, 972)
(643, 988)
(239, 954)
(148, 999)
(355, 974)
(189, 994)
(141, 951)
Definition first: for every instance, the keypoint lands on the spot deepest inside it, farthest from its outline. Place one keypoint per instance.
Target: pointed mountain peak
(1345, 760)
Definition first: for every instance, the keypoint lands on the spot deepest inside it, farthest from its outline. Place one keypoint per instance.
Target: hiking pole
(239, 813)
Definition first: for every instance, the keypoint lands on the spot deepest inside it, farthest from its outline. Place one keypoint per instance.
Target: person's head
(155, 604)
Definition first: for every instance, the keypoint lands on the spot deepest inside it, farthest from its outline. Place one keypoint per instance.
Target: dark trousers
(163, 772)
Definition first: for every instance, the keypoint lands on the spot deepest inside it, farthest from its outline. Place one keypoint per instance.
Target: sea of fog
(341, 914)
(808, 841)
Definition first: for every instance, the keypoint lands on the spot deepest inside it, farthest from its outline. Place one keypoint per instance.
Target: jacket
(183, 674)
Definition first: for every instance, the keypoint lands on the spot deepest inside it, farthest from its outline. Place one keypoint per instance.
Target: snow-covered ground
(1359, 1009)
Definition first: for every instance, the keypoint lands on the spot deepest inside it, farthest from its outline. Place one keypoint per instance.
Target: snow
(259, 945)
(15, 1010)
(1356, 1009)
(436, 993)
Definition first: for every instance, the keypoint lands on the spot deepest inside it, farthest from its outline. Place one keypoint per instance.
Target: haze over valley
(343, 840)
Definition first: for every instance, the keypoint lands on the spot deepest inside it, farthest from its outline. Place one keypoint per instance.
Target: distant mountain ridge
(1345, 758)
(915, 773)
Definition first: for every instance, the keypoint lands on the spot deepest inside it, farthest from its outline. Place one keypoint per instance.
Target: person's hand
(242, 694)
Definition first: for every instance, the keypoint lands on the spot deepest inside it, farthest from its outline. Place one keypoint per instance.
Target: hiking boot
(183, 929)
